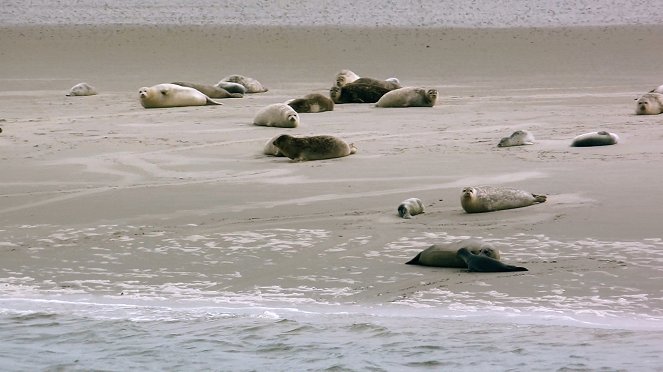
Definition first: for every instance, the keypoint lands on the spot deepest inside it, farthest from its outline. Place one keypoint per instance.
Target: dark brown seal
(210, 91)
(313, 147)
(313, 102)
(484, 264)
(362, 90)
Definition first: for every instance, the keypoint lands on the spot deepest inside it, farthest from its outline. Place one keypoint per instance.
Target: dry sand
(78, 162)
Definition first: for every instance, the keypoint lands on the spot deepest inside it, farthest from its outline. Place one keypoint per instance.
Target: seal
(172, 95)
(489, 198)
(231, 87)
(344, 77)
(601, 138)
(277, 115)
(650, 104)
(313, 147)
(658, 89)
(270, 149)
(313, 102)
(410, 207)
(252, 85)
(408, 97)
(211, 91)
(483, 264)
(362, 90)
(82, 89)
(517, 138)
(444, 255)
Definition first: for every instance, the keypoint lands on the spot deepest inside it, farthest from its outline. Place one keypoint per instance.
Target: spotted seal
(313, 147)
(408, 97)
(314, 102)
(211, 91)
(172, 95)
(444, 255)
(82, 89)
(601, 138)
(517, 138)
(410, 207)
(484, 264)
(490, 198)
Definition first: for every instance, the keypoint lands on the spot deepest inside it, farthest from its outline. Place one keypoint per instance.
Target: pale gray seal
(408, 97)
(445, 255)
(231, 87)
(210, 91)
(601, 138)
(517, 138)
(313, 102)
(277, 115)
(344, 77)
(313, 147)
(271, 149)
(252, 85)
(172, 95)
(489, 198)
(484, 264)
(410, 207)
(650, 104)
(658, 89)
(82, 89)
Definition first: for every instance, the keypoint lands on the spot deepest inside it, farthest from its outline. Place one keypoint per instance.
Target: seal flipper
(212, 102)
(415, 260)
(515, 268)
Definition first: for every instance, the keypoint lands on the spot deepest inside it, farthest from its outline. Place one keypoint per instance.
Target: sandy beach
(101, 197)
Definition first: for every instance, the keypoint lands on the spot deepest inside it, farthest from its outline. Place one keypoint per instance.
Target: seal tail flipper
(539, 198)
(414, 261)
(516, 268)
(353, 148)
(212, 102)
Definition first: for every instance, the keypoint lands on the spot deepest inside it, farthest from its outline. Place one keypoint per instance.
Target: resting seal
(82, 89)
(171, 95)
(489, 198)
(650, 104)
(313, 148)
(252, 85)
(483, 264)
(277, 115)
(231, 87)
(408, 97)
(517, 138)
(410, 207)
(344, 77)
(601, 138)
(313, 102)
(211, 91)
(444, 255)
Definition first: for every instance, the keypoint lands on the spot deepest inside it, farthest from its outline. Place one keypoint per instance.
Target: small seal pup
(270, 149)
(82, 89)
(489, 198)
(277, 115)
(483, 264)
(344, 77)
(601, 138)
(211, 91)
(410, 207)
(172, 95)
(252, 85)
(408, 97)
(231, 87)
(444, 255)
(313, 147)
(313, 102)
(650, 104)
(517, 138)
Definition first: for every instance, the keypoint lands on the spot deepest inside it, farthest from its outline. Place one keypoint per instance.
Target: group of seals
(601, 138)
(312, 147)
(172, 95)
(250, 84)
(481, 199)
(211, 91)
(408, 97)
(277, 115)
(410, 207)
(82, 89)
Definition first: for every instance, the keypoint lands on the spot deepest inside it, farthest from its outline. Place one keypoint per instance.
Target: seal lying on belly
(489, 198)
(171, 95)
(484, 264)
(601, 138)
(313, 147)
(210, 91)
(445, 255)
(410, 207)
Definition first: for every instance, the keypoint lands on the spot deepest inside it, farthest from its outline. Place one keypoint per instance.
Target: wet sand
(102, 173)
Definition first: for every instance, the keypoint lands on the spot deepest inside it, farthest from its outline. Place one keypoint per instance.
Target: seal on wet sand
(444, 255)
(210, 91)
(172, 95)
(517, 138)
(489, 198)
(410, 207)
(650, 104)
(82, 89)
(484, 264)
(313, 102)
(601, 138)
(277, 115)
(252, 85)
(408, 97)
(313, 147)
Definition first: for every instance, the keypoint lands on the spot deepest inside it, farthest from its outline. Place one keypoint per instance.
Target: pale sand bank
(76, 163)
